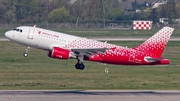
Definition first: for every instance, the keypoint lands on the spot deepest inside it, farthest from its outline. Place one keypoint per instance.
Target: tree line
(82, 11)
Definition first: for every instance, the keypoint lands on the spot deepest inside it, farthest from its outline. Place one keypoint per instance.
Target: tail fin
(157, 43)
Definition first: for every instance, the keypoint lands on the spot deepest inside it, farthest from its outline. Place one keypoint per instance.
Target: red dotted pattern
(88, 43)
(142, 25)
(157, 43)
(153, 47)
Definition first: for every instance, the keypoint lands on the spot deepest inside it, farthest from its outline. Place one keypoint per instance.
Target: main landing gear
(26, 52)
(80, 64)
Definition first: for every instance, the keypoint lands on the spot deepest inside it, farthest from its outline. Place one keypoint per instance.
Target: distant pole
(103, 13)
(179, 21)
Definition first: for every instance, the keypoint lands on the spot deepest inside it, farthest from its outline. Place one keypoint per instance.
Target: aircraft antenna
(34, 26)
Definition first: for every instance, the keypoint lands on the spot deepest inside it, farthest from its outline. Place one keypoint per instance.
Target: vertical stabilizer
(157, 43)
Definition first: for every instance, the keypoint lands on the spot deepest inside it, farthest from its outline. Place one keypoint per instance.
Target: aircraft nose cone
(7, 34)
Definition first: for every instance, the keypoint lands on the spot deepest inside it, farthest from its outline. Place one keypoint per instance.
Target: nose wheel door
(31, 33)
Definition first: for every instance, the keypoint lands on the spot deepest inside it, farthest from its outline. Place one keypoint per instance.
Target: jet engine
(59, 53)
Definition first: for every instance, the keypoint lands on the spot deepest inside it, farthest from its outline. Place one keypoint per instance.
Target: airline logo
(39, 32)
(47, 34)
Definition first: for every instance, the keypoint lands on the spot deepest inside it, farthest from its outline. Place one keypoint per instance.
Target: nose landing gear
(26, 52)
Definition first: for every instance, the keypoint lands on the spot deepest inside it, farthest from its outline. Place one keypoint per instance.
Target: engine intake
(59, 53)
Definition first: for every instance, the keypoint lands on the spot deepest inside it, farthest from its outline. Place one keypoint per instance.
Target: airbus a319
(63, 46)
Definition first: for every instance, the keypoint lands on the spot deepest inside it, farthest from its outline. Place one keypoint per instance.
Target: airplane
(64, 46)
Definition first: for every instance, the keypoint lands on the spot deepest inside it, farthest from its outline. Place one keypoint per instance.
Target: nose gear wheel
(26, 52)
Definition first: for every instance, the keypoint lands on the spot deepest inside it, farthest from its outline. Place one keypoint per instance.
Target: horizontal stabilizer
(155, 60)
(151, 60)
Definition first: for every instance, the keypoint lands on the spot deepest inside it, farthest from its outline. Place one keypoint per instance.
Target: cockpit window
(18, 30)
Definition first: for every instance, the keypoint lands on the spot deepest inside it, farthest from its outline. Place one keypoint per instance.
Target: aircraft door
(132, 57)
(31, 33)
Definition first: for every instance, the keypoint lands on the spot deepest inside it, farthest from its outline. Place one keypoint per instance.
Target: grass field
(105, 32)
(2, 31)
(37, 71)
(113, 32)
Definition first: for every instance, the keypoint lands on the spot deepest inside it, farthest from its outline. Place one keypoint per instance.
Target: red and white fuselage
(64, 46)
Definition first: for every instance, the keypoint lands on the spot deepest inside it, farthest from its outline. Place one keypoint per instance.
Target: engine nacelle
(59, 53)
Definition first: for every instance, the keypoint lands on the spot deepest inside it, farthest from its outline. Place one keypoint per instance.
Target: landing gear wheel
(79, 66)
(25, 54)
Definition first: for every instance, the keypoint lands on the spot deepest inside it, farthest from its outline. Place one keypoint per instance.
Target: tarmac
(89, 95)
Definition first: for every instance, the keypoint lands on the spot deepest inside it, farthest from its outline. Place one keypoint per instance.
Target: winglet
(157, 43)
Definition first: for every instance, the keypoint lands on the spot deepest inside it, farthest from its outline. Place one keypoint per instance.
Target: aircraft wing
(85, 51)
(88, 51)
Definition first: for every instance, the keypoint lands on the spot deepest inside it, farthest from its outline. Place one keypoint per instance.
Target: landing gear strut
(26, 52)
(80, 64)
